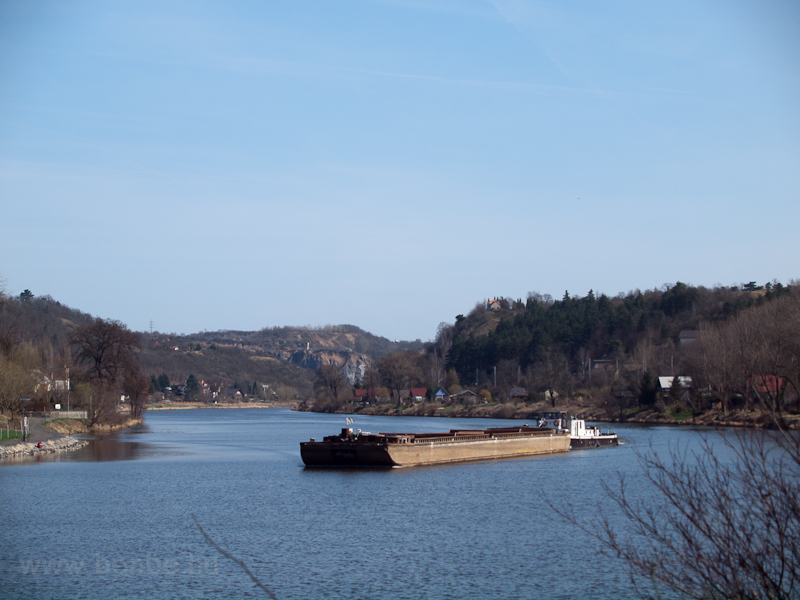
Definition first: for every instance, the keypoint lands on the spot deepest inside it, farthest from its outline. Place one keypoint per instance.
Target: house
(364, 396)
(665, 383)
(767, 384)
(687, 336)
(466, 397)
(419, 394)
(402, 395)
(493, 305)
(439, 394)
(604, 364)
(43, 382)
(216, 387)
(360, 396)
(518, 394)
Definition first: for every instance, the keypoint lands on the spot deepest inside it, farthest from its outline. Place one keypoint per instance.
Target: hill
(590, 327)
(279, 356)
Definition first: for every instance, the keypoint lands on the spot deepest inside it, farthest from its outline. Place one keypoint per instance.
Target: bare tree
(372, 379)
(774, 352)
(286, 393)
(550, 371)
(719, 529)
(644, 357)
(755, 355)
(397, 370)
(441, 348)
(15, 382)
(713, 363)
(329, 378)
(585, 359)
(136, 387)
(107, 352)
(103, 400)
(105, 349)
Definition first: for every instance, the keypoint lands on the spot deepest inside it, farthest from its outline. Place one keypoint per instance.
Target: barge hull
(349, 454)
(579, 444)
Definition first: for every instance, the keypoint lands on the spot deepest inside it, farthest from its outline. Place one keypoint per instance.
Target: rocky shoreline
(48, 446)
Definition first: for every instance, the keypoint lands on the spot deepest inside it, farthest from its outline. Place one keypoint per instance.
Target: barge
(581, 435)
(356, 449)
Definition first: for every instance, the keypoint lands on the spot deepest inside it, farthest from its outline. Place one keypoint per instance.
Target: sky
(389, 163)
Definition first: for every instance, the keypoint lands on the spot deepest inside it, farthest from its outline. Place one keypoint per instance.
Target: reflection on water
(112, 448)
(120, 445)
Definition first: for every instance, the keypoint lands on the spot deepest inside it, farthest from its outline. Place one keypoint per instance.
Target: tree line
(549, 347)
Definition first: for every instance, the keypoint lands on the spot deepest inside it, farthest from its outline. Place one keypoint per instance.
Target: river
(124, 517)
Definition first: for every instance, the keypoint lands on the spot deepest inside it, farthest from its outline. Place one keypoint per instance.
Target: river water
(124, 517)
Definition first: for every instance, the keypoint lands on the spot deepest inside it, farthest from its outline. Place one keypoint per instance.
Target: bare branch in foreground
(723, 522)
(234, 559)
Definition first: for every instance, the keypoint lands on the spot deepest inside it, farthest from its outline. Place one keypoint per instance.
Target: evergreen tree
(676, 390)
(648, 389)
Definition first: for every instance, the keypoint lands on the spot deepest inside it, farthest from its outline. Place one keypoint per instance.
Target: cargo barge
(356, 449)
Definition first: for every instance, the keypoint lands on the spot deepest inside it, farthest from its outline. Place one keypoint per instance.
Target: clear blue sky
(236, 165)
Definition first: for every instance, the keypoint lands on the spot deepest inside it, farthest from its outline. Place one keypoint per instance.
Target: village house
(665, 383)
(518, 394)
(419, 394)
(439, 394)
(465, 397)
(604, 364)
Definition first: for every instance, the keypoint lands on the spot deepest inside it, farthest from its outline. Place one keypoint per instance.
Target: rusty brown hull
(376, 454)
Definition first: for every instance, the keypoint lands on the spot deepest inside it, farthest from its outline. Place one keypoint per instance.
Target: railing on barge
(455, 438)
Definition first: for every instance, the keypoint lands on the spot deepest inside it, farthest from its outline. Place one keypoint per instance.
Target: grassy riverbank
(71, 426)
(9, 435)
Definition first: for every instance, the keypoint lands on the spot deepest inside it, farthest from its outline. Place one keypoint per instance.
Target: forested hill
(593, 327)
(40, 322)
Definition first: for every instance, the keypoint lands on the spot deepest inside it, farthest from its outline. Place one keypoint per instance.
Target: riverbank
(71, 426)
(671, 415)
(204, 405)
